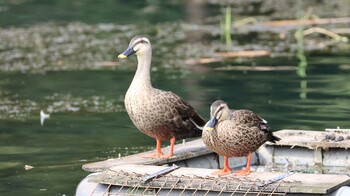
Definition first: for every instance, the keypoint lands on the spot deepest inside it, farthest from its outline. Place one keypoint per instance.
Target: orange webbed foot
(167, 156)
(171, 150)
(243, 172)
(222, 172)
(154, 155)
(159, 154)
(246, 171)
(226, 170)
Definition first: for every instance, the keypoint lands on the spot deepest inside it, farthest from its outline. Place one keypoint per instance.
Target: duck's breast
(233, 140)
(154, 112)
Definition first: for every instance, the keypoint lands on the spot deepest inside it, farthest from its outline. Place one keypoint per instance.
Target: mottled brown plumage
(235, 133)
(159, 114)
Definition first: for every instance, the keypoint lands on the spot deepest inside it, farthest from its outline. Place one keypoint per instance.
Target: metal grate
(124, 183)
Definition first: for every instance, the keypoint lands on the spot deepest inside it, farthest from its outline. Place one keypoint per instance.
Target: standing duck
(235, 133)
(159, 114)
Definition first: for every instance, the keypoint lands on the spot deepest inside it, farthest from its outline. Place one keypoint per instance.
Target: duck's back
(249, 119)
(246, 118)
(162, 114)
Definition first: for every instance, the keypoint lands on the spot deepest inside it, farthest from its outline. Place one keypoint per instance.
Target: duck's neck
(142, 76)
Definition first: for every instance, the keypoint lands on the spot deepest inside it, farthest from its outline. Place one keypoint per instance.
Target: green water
(88, 122)
(28, 12)
(69, 139)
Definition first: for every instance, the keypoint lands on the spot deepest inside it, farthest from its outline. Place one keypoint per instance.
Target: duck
(160, 114)
(235, 133)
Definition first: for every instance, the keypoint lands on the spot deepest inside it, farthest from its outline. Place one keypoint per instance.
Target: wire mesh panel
(126, 183)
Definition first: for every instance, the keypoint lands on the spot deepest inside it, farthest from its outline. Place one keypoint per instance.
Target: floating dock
(302, 163)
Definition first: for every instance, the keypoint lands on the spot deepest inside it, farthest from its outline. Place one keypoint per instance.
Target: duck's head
(138, 45)
(219, 111)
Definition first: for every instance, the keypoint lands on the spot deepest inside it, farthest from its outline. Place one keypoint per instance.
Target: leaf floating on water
(107, 64)
(28, 167)
(221, 56)
(248, 54)
(306, 22)
(344, 67)
(202, 61)
(43, 116)
(257, 68)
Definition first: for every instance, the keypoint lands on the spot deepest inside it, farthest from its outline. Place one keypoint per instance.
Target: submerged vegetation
(50, 47)
(75, 46)
(11, 108)
(247, 31)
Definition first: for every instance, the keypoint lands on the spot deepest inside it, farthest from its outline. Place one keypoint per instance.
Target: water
(109, 11)
(71, 138)
(88, 121)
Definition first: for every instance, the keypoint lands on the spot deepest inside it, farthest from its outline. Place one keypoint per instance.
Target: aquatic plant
(301, 70)
(226, 26)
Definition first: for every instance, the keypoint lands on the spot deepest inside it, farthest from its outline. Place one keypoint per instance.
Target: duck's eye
(219, 114)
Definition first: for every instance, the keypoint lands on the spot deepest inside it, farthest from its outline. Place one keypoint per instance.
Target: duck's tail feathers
(195, 124)
(272, 138)
(198, 130)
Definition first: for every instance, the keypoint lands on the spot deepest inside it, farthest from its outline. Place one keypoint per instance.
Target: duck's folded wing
(189, 117)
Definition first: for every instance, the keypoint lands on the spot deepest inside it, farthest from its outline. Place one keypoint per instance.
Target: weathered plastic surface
(130, 178)
(195, 148)
(306, 151)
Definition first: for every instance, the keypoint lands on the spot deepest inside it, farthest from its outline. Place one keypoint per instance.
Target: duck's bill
(211, 124)
(129, 51)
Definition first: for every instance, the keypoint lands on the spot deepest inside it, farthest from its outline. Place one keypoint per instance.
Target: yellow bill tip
(209, 128)
(122, 56)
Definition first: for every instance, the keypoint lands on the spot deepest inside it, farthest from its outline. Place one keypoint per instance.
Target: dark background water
(27, 12)
(88, 121)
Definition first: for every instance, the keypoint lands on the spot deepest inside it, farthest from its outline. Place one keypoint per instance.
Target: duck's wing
(186, 121)
(249, 119)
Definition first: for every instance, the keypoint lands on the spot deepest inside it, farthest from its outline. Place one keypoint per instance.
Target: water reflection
(302, 65)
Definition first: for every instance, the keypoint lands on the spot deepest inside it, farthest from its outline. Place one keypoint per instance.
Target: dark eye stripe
(219, 109)
(139, 42)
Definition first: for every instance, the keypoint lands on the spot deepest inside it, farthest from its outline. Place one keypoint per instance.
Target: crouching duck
(159, 114)
(235, 133)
